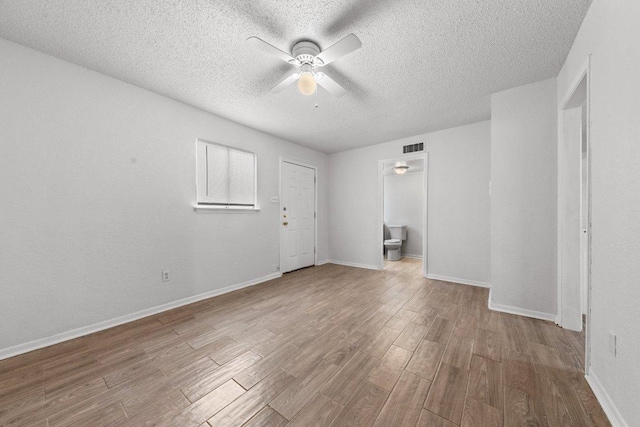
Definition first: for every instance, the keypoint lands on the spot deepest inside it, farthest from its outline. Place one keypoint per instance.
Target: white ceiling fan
(307, 58)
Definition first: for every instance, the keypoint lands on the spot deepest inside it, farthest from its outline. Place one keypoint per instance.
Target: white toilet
(394, 244)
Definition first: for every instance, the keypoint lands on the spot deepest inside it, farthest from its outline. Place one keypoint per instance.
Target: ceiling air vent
(412, 148)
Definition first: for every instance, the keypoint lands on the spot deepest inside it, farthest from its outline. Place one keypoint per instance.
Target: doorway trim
(315, 207)
(425, 191)
(583, 74)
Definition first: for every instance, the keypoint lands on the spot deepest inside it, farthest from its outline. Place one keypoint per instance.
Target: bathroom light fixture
(400, 169)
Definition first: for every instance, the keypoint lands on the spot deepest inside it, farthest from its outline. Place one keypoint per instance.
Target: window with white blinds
(226, 176)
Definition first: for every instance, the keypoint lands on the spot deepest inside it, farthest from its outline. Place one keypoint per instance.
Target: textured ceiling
(424, 65)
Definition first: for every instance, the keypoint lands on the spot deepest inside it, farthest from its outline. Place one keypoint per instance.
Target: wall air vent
(412, 148)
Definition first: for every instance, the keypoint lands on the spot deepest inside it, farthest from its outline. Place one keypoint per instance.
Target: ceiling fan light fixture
(306, 56)
(307, 83)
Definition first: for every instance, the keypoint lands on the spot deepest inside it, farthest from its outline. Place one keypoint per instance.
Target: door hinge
(314, 215)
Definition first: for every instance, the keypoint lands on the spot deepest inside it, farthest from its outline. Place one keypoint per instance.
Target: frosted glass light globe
(307, 83)
(401, 169)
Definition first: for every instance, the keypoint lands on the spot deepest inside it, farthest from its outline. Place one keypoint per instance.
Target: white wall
(524, 198)
(97, 185)
(404, 205)
(459, 208)
(610, 34)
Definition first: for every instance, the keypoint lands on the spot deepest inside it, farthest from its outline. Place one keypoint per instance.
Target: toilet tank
(398, 231)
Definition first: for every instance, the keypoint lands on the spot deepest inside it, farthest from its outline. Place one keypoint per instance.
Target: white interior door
(297, 217)
(570, 185)
(584, 215)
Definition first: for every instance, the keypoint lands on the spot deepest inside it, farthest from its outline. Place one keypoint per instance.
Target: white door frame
(315, 208)
(425, 192)
(583, 73)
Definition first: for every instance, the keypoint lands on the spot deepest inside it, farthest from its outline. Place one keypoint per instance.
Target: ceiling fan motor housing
(305, 51)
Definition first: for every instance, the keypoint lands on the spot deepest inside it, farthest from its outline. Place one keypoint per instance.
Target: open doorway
(574, 213)
(403, 210)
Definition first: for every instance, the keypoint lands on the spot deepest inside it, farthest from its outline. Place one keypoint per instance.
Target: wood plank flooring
(323, 346)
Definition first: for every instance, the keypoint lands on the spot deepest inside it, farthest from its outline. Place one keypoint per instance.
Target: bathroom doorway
(402, 184)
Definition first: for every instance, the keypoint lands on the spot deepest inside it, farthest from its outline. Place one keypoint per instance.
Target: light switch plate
(613, 343)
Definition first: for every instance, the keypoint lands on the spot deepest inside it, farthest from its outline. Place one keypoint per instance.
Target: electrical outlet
(613, 344)
(275, 267)
(166, 275)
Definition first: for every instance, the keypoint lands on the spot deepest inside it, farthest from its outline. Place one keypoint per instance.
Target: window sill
(224, 209)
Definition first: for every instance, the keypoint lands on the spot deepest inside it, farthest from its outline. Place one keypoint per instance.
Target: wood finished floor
(329, 345)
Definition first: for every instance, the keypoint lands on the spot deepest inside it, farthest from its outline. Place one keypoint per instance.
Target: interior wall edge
(524, 199)
(19, 349)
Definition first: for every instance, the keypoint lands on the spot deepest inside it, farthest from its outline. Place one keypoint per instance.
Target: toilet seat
(393, 247)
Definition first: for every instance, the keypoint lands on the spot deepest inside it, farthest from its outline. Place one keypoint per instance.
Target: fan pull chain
(316, 97)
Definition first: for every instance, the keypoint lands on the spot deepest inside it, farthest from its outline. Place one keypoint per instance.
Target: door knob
(285, 223)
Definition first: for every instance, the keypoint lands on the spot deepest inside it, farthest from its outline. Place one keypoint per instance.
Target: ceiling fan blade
(341, 48)
(330, 85)
(286, 82)
(263, 45)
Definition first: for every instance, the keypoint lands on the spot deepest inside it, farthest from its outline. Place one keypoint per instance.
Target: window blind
(226, 176)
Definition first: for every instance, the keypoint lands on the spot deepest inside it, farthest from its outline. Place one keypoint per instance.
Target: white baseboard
(354, 264)
(609, 408)
(5, 353)
(412, 256)
(458, 280)
(323, 262)
(520, 311)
